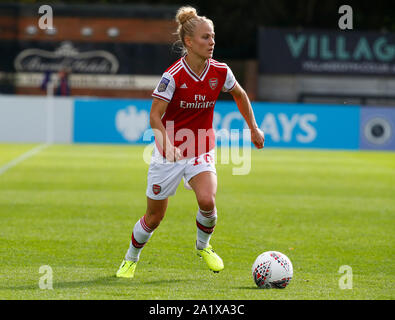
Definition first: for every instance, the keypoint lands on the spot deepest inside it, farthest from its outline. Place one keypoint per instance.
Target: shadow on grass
(103, 281)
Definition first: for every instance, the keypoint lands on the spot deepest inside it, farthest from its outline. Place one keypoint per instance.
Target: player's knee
(207, 202)
(153, 220)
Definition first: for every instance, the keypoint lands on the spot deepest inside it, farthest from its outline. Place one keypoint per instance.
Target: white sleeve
(230, 81)
(165, 88)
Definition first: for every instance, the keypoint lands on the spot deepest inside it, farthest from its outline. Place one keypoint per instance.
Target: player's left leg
(204, 185)
(201, 175)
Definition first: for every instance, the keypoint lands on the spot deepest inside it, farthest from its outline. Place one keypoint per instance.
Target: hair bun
(185, 13)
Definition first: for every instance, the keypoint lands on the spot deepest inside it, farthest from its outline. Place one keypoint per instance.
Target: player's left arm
(244, 105)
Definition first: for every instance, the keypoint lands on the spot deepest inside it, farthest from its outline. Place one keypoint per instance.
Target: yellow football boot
(214, 262)
(126, 270)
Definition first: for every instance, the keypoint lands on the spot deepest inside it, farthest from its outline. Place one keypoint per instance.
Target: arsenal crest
(213, 82)
(156, 188)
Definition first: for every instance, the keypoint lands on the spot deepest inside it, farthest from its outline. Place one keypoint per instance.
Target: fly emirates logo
(200, 103)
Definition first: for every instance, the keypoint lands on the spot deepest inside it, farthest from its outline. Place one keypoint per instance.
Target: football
(272, 269)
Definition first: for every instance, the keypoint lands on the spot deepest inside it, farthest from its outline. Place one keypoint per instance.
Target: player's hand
(258, 138)
(173, 153)
(177, 154)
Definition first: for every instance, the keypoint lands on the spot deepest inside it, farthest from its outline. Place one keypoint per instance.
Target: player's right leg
(163, 180)
(142, 232)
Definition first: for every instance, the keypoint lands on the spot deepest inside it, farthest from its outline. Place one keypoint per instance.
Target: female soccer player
(181, 117)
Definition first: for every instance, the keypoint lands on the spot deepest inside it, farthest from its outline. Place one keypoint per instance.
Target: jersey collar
(193, 75)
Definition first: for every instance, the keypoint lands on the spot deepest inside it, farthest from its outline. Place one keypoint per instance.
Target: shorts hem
(158, 197)
(210, 170)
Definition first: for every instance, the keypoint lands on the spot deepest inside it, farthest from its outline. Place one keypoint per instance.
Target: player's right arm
(158, 109)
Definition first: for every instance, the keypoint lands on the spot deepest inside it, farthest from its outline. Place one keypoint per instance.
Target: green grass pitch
(73, 207)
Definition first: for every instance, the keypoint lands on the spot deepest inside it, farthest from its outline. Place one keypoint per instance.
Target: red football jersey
(189, 115)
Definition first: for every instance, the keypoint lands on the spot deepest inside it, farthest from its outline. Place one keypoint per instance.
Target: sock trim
(144, 225)
(208, 214)
(205, 229)
(136, 244)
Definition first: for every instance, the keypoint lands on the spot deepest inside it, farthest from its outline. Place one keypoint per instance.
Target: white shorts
(165, 176)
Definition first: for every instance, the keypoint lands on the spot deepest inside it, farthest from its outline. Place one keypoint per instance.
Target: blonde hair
(187, 19)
